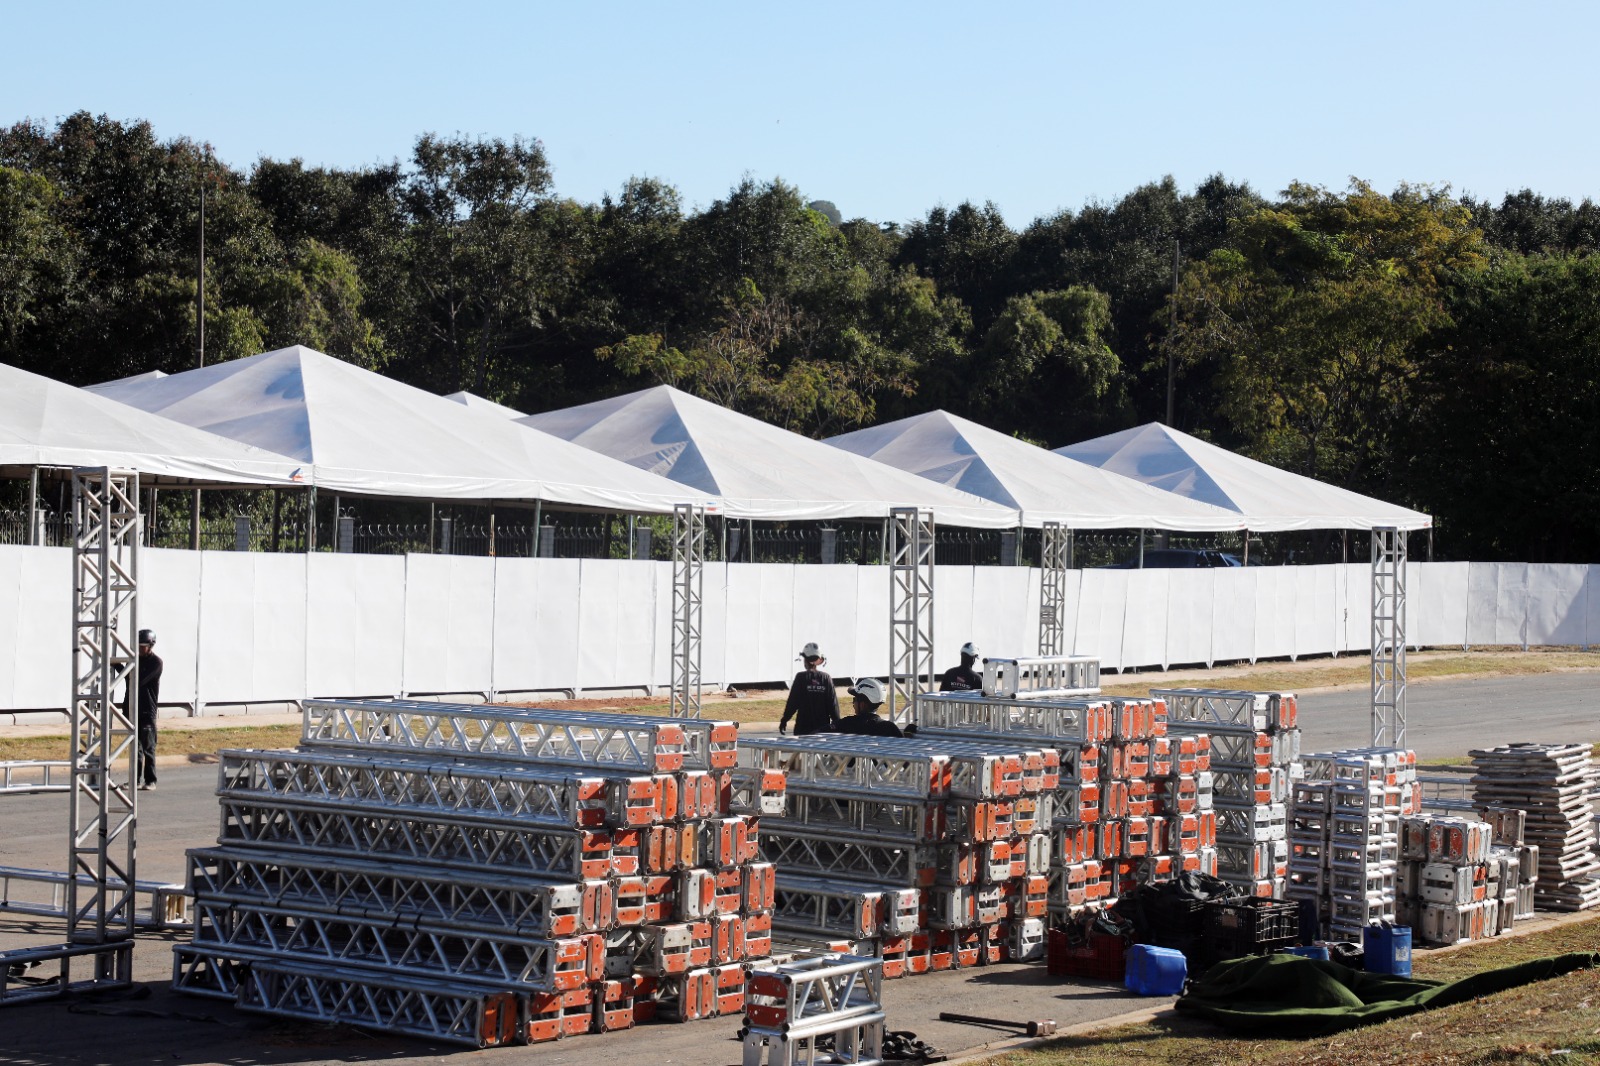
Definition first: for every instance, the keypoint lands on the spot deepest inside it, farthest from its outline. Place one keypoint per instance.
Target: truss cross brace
(688, 606)
(910, 609)
(1053, 563)
(1388, 637)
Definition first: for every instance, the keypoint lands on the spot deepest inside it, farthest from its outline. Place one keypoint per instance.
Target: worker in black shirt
(144, 708)
(963, 678)
(812, 703)
(868, 693)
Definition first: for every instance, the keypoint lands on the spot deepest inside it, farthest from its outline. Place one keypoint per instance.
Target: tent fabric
(1288, 996)
(1270, 499)
(365, 434)
(51, 424)
(760, 471)
(474, 402)
(1045, 487)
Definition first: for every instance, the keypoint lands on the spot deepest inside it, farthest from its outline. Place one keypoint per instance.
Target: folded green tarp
(1289, 996)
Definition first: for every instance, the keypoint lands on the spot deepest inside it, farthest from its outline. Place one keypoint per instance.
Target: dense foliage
(1433, 350)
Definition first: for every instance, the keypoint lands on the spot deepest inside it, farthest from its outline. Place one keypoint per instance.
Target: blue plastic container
(1387, 949)
(1154, 971)
(1310, 951)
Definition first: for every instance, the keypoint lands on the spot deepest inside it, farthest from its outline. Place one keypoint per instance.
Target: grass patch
(1556, 1020)
(177, 741)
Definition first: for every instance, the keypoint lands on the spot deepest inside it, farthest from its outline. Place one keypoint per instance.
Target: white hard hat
(970, 648)
(870, 688)
(811, 651)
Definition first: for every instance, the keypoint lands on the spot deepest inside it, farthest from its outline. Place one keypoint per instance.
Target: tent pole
(630, 536)
(1430, 544)
(1070, 539)
(33, 506)
(1344, 543)
(194, 522)
(433, 521)
(1141, 549)
(277, 519)
(538, 512)
(155, 522)
(311, 519)
(491, 531)
(1247, 547)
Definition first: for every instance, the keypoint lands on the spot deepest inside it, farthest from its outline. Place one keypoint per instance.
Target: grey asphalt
(156, 1026)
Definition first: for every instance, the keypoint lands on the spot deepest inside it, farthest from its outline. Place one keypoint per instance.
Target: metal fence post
(241, 532)
(547, 542)
(830, 546)
(642, 536)
(346, 541)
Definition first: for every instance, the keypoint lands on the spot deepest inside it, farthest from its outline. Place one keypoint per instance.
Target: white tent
(1267, 498)
(473, 402)
(365, 434)
(44, 423)
(759, 470)
(1013, 473)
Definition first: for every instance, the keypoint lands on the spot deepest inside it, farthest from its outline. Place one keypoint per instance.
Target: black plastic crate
(1253, 920)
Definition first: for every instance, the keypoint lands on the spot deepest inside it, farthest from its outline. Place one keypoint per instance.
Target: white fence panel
(169, 603)
(355, 624)
(1436, 613)
(1189, 605)
(872, 622)
(449, 624)
(1275, 611)
(1233, 614)
(825, 611)
(35, 628)
(1557, 611)
(252, 646)
(544, 651)
(616, 614)
(517, 584)
(1316, 622)
(954, 608)
(714, 635)
(1144, 617)
(1100, 612)
(1498, 598)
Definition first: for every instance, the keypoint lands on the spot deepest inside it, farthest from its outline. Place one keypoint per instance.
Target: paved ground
(1446, 718)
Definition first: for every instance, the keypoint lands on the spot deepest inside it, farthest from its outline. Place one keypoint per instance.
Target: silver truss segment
(911, 553)
(913, 768)
(1057, 722)
(688, 607)
(806, 992)
(343, 828)
(112, 967)
(1041, 677)
(200, 972)
(167, 909)
(1213, 709)
(1450, 793)
(594, 740)
(20, 777)
(835, 854)
(424, 787)
(825, 907)
(401, 893)
(1388, 637)
(853, 1041)
(454, 957)
(417, 1007)
(1054, 559)
(920, 821)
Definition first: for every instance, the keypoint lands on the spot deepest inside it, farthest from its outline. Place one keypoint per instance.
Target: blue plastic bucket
(1310, 951)
(1387, 949)
(1154, 971)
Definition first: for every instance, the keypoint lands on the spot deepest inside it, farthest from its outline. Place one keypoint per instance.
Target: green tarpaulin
(1290, 996)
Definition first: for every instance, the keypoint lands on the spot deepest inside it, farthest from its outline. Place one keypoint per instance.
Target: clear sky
(885, 109)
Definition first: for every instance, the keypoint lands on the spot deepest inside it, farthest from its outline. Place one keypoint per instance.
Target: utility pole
(200, 351)
(1172, 327)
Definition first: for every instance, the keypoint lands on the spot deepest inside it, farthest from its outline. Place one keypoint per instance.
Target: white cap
(970, 648)
(811, 651)
(870, 688)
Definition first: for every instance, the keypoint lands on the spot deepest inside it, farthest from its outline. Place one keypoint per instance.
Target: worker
(149, 696)
(868, 693)
(963, 678)
(813, 703)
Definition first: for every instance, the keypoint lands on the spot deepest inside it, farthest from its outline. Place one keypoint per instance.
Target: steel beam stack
(929, 852)
(1255, 750)
(1344, 835)
(484, 875)
(1463, 880)
(1554, 784)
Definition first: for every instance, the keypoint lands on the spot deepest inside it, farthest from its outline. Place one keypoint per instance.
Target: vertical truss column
(1052, 587)
(910, 608)
(1388, 637)
(105, 565)
(688, 602)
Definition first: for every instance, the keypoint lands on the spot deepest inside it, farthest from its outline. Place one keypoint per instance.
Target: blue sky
(885, 109)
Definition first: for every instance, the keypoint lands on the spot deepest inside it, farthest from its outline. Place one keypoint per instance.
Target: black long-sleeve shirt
(813, 703)
(960, 679)
(150, 666)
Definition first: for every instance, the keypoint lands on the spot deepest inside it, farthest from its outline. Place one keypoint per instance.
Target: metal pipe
(194, 522)
(311, 519)
(1141, 549)
(1247, 547)
(33, 506)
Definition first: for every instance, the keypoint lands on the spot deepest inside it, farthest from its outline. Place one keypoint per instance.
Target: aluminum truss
(832, 854)
(688, 603)
(1388, 637)
(825, 907)
(911, 670)
(1207, 709)
(167, 910)
(26, 776)
(912, 768)
(1053, 563)
(1054, 722)
(1041, 676)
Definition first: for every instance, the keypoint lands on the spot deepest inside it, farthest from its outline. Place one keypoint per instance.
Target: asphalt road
(1445, 718)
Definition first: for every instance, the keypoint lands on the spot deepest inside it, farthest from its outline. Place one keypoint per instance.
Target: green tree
(1046, 367)
(38, 258)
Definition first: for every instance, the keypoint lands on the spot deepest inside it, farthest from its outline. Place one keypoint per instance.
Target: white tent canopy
(473, 402)
(1013, 473)
(49, 424)
(1268, 499)
(759, 470)
(365, 434)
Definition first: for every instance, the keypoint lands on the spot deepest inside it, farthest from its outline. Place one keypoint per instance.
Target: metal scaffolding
(688, 603)
(1054, 559)
(1388, 637)
(911, 540)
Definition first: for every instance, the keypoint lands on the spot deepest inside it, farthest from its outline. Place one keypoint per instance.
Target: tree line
(1428, 348)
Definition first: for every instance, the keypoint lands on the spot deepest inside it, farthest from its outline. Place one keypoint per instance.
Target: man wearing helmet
(869, 695)
(962, 678)
(149, 696)
(813, 703)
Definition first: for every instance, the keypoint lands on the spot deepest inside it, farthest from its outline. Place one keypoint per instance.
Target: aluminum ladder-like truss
(688, 606)
(911, 541)
(1388, 637)
(1054, 558)
(101, 903)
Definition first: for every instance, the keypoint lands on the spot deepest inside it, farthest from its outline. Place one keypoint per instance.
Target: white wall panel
(449, 624)
(169, 603)
(1144, 619)
(516, 615)
(1556, 604)
(1233, 614)
(661, 645)
(252, 627)
(1437, 605)
(1275, 607)
(1497, 594)
(1100, 610)
(1591, 590)
(1317, 627)
(825, 610)
(355, 624)
(548, 658)
(35, 628)
(953, 612)
(761, 640)
(1190, 595)
(616, 616)
(872, 621)
(714, 638)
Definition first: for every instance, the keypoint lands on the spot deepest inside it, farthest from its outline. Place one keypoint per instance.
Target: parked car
(1178, 559)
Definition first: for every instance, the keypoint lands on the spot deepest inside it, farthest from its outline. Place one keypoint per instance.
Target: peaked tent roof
(48, 423)
(364, 433)
(761, 471)
(1268, 498)
(1045, 487)
(473, 402)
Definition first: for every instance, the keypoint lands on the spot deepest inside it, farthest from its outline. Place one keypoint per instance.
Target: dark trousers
(147, 748)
